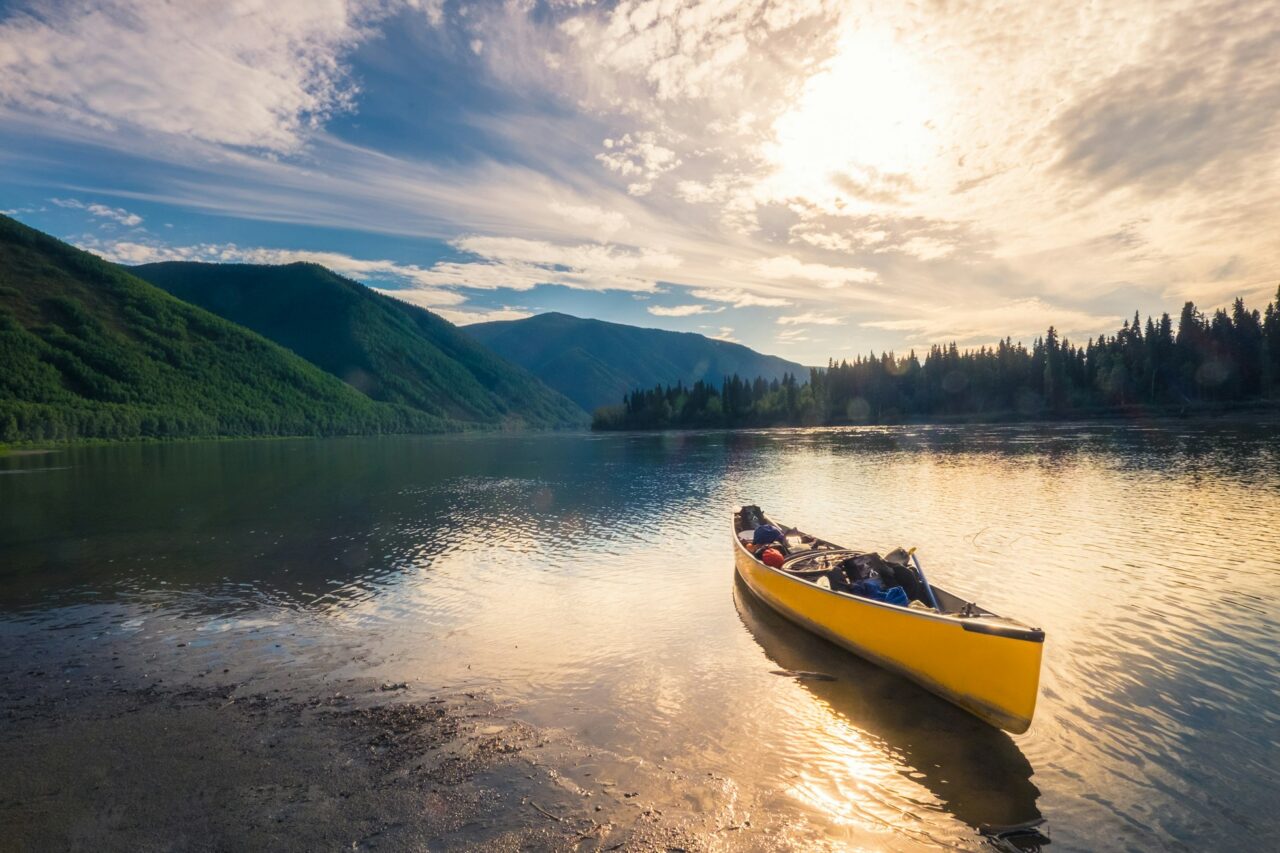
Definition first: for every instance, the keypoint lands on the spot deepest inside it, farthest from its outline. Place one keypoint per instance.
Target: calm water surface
(588, 582)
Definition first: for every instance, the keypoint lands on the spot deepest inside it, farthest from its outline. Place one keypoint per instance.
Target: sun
(862, 129)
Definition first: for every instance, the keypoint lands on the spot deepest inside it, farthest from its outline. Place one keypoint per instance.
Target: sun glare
(861, 129)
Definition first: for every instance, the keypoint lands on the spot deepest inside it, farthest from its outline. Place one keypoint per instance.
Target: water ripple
(588, 579)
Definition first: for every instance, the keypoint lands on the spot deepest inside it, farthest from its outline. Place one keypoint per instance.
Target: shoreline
(1261, 412)
(1244, 412)
(34, 448)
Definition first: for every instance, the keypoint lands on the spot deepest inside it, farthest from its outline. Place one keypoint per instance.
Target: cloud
(433, 10)
(685, 49)
(989, 180)
(724, 333)
(604, 222)
(117, 214)
(416, 284)
(825, 240)
(502, 263)
(823, 275)
(740, 298)
(696, 192)
(869, 184)
(258, 74)
(102, 211)
(809, 319)
(599, 255)
(641, 158)
(1011, 157)
(682, 310)
(464, 318)
(927, 248)
(1020, 318)
(1200, 106)
(521, 264)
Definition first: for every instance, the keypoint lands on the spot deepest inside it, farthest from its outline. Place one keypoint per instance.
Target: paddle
(924, 580)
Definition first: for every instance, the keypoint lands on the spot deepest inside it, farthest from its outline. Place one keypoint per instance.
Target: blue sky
(810, 178)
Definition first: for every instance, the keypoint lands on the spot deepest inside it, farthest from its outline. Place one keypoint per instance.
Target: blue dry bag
(765, 534)
(873, 589)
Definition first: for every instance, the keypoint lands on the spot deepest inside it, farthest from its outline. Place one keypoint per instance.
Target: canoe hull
(995, 677)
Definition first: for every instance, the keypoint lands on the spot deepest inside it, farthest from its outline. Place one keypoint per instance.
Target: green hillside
(390, 350)
(595, 363)
(90, 351)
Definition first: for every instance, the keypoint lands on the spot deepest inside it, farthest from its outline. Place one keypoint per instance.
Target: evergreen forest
(1206, 363)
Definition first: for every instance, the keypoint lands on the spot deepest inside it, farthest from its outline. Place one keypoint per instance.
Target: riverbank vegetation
(1224, 360)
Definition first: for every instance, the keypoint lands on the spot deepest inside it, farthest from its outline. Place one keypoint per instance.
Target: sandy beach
(96, 764)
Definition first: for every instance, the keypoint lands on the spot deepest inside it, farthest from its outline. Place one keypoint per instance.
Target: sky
(811, 178)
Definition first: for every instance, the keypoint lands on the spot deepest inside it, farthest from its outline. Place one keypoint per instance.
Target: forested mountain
(594, 363)
(392, 351)
(89, 351)
(1231, 357)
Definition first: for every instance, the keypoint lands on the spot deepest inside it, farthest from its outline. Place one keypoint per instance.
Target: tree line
(1230, 357)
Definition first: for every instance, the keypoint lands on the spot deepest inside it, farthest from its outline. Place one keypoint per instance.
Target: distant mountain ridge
(594, 362)
(90, 351)
(392, 351)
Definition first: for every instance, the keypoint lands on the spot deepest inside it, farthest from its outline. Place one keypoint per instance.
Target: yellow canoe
(986, 664)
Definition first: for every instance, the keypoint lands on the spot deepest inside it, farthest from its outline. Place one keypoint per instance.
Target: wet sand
(92, 765)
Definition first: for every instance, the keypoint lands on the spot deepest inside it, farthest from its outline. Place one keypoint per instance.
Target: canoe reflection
(975, 770)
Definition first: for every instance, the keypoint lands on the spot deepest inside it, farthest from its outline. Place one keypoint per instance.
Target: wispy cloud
(809, 319)
(640, 159)
(682, 310)
(102, 211)
(792, 336)
(840, 159)
(606, 223)
(416, 284)
(823, 275)
(520, 264)
(461, 317)
(1195, 110)
(256, 74)
(413, 284)
(1020, 319)
(739, 298)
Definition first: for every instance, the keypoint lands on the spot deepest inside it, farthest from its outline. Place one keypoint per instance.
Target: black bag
(873, 566)
(863, 567)
(751, 517)
(907, 578)
(850, 570)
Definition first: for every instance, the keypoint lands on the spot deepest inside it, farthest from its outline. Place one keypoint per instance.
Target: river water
(587, 581)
